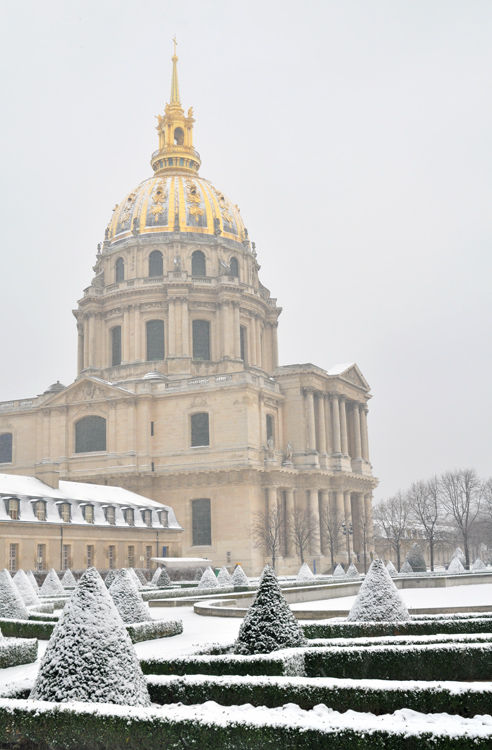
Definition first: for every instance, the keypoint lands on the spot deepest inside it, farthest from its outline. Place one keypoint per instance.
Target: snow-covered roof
(338, 369)
(106, 494)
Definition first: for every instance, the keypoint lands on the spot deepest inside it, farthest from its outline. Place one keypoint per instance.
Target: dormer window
(147, 517)
(40, 510)
(88, 513)
(110, 515)
(164, 517)
(65, 511)
(12, 505)
(129, 516)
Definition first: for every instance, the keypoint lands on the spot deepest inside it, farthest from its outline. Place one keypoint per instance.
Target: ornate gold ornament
(194, 200)
(127, 211)
(159, 197)
(224, 208)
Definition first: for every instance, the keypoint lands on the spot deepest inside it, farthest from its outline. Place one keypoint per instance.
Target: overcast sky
(354, 136)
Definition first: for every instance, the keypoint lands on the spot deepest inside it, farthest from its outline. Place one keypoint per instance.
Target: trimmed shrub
(110, 576)
(378, 598)
(24, 585)
(163, 579)
(127, 599)
(287, 662)
(90, 656)
(32, 580)
(239, 577)
(391, 569)
(455, 566)
(208, 579)
(305, 573)
(52, 585)
(339, 571)
(11, 602)
(27, 629)
(269, 623)
(155, 576)
(460, 555)
(141, 577)
(135, 578)
(406, 568)
(148, 631)
(224, 578)
(478, 566)
(424, 626)
(15, 651)
(68, 581)
(352, 571)
(416, 559)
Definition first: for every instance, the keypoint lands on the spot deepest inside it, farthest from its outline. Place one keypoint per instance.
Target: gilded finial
(174, 80)
(175, 45)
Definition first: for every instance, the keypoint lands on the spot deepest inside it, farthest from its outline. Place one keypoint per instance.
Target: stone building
(179, 395)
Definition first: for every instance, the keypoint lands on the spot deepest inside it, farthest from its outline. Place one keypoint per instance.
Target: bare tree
(392, 515)
(331, 526)
(461, 493)
(268, 532)
(302, 528)
(426, 509)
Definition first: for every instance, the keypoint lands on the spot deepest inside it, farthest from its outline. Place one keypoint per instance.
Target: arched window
(179, 136)
(155, 339)
(6, 448)
(198, 267)
(200, 434)
(156, 266)
(234, 266)
(119, 270)
(90, 434)
(201, 522)
(116, 346)
(201, 339)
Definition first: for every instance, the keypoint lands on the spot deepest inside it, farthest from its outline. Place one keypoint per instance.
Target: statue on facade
(177, 263)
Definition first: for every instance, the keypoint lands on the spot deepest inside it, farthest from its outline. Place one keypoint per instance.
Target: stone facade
(178, 358)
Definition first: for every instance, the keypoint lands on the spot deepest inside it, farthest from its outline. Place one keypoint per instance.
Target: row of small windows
(156, 265)
(40, 563)
(12, 507)
(155, 341)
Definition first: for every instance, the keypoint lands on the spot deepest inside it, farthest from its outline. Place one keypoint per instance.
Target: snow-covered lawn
(454, 596)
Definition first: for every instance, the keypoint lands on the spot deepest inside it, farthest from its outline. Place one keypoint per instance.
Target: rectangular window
(243, 342)
(151, 429)
(131, 556)
(201, 339)
(164, 517)
(111, 515)
(65, 512)
(41, 557)
(201, 522)
(13, 557)
(6, 448)
(111, 556)
(270, 428)
(147, 517)
(13, 508)
(199, 429)
(66, 556)
(90, 555)
(129, 516)
(88, 513)
(40, 510)
(116, 346)
(155, 340)
(148, 556)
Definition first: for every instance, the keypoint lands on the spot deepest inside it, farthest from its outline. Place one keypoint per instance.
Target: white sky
(355, 137)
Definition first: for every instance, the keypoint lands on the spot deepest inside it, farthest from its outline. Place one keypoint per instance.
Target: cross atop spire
(174, 80)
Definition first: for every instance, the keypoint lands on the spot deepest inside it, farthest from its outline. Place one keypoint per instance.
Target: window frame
(85, 508)
(119, 270)
(10, 447)
(198, 535)
(194, 427)
(148, 324)
(40, 509)
(110, 515)
(116, 345)
(78, 438)
(152, 268)
(197, 258)
(197, 344)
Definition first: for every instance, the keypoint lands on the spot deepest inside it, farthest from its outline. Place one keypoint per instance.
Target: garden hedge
(26, 628)
(41, 725)
(286, 662)
(15, 651)
(341, 695)
(409, 627)
(139, 631)
(146, 631)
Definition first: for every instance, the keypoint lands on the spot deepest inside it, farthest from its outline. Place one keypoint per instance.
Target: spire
(174, 80)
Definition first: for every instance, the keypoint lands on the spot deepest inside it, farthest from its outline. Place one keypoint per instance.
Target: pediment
(86, 390)
(354, 376)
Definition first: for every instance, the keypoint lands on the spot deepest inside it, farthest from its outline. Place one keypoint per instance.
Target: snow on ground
(454, 596)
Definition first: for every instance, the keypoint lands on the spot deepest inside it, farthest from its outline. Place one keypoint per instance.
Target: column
(328, 432)
(274, 346)
(321, 423)
(137, 332)
(343, 426)
(369, 523)
(348, 524)
(337, 445)
(364, 435)
(237, 341)
(312, 504)
(357, 503)
(86, 342)
(310, 422)
(324, 511)
(289, 514)
(90, 352)
(357, 431)
(227, 338)
(171, 328)
(252, 340)
(80, 351)
(259, 360)
(126, 336)
(185, 328)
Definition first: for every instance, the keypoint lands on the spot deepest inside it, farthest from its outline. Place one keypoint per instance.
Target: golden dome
(176, 199)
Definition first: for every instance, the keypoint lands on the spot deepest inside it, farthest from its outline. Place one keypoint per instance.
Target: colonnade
(336, 425)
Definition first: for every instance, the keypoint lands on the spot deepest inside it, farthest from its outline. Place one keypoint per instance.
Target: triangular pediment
(86, 389)
(351, 373)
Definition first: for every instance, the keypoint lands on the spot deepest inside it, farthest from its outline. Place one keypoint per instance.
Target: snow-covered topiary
(32, 580)
(208, 579)
(90, 656)
(478, 565)
(391, 569)
(305, 573)
(406, 568)
(127, 598)
(52, 585)
(378, 598)
(224, 578)
(269, 623)
(141, 577)
(68, 581)
(29, 596)
(110, 576)
(460, 555)
(455, 566)
(136, 579)
(339, 571)
(416, 559)
(155, 577)
(11, 602)
(352, 571)
(239, 577)
(163, 579)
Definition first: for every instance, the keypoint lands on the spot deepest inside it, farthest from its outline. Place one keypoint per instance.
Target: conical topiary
(224, 578)
(305, 574)
(141, 577)
(391, 569)
(51, 585)
(90, 656)
(478, 565)
(406, 568)
(163, 579)
(269, 624)
(455, 566)
(29, 596)
(416, 559)
(352, 571)
(339, 571)
(208, 579)
(110, 576)
(32, 581)
(11, 602)
(155, 577)
(239, 577)
(136, 579)
(68, 581)
(378, 599)
(459, 554)
(128, 600)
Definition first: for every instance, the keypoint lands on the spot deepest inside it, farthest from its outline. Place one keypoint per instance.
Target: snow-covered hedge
(286, 662)
(26, 629)
(208, 579)
(78, 726)
(239, 577)
(147, 631)
(15, 651)
(127, 598)
(424, 626)
(307, 692)
(224, 578)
